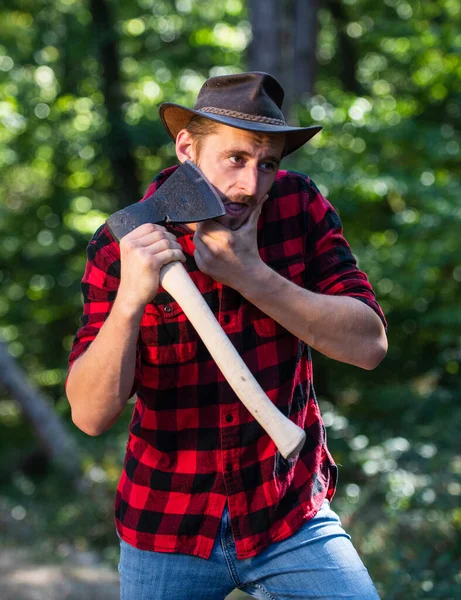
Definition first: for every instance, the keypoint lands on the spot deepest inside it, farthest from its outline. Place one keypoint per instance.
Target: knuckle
(126, 243)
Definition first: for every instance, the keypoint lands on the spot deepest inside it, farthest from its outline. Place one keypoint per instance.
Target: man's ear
(184, 146)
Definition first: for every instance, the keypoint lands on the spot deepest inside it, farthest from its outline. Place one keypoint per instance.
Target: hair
(199, 127)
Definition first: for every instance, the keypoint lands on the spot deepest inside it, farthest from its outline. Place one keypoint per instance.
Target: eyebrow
(268, 157)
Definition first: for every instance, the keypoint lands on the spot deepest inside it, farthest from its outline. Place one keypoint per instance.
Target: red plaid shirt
(192, 445)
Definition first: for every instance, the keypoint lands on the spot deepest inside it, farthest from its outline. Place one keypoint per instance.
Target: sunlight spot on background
(452, 147)
(454, 488)
(318, 113)
(360, 442)
(47, 54)
(44, 77)
(353, 491)
(358, 110)
(404, 10)
(6, 63)
(87, 153)
(339, 423)
(50, 377)
(19, 513)
(323, 190)
(129, 66)
(371, 467)
(233, 7)
(135, 27)
(42, 110)
(457, 273)
(427, 178)
(162, 74)
(45, 237)
(15, 349)
(85, 224)
(428, 496)
(184, 6)
(222, 70)
(427, 585)
(97, 474)
(8, 333)
(151, 90)
(81, 204)
(427, 450)
(397, 445)
(381, 87)
(190, 81)
(41, 282)
(380, 188)
(232, 38)
(325, 53)
(354, 30)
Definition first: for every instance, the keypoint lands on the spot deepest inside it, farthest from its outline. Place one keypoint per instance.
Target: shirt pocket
(292, 268)
(166, 334)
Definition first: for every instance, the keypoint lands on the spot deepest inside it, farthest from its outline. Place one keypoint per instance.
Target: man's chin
(232, 223)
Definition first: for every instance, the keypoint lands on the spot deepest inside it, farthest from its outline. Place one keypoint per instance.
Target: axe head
(185, 197)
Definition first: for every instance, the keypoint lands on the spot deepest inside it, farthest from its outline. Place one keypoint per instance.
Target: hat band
(243, 116)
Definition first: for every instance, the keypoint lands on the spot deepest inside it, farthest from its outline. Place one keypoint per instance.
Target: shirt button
(226, 319)
(167, 308)
(229, 418)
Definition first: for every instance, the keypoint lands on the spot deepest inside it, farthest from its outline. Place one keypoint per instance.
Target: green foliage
(388, 159)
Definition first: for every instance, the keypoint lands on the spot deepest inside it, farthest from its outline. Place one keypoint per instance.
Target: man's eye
(237, 160)
(269, 166)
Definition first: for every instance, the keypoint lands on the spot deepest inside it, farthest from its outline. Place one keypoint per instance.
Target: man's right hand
(143, 252)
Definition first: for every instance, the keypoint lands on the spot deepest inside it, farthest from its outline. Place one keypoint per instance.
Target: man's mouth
(235, 209)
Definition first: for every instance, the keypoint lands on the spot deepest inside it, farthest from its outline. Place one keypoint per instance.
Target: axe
(188, 197)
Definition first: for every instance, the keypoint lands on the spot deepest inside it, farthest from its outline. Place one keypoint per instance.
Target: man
(205, 503)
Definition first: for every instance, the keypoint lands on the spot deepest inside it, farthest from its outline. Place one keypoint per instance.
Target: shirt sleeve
(99, 286)
(331, 267)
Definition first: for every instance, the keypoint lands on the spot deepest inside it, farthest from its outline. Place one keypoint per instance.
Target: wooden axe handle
(287, 436)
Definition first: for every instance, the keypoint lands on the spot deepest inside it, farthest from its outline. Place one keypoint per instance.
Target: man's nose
(250, 180)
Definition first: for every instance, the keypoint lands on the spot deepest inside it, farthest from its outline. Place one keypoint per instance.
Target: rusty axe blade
(185, 197)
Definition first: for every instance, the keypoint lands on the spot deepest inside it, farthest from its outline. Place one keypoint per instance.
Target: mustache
(240, 199)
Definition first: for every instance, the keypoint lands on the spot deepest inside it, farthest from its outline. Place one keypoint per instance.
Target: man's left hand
(230, 257)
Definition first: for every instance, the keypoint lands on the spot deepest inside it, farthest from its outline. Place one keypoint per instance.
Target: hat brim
(175, 117)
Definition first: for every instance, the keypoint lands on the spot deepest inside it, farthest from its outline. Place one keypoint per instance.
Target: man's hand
(143, 252)
(230, 257)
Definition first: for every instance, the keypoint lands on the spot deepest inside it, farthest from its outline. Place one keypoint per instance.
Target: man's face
(242, 166)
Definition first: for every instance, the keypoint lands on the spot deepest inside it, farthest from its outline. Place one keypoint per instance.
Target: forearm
(100, 381)
(340, 327)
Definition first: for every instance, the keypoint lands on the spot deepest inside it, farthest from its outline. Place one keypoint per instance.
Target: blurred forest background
(80, 137)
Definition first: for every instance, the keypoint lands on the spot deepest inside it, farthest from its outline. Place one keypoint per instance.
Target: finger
(200, 247)
(162, 245)
(211, 228)
(154, 237)
(169, 255)
(143, 230)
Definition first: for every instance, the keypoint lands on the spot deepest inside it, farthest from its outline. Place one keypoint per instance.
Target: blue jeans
(317, 562)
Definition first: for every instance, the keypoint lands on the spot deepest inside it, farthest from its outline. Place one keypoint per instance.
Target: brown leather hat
(251, 101)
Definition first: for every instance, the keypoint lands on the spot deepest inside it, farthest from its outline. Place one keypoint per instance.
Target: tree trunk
(118, 140)
(284, 44)
(346, 50)
(56, 442)
(264, 49)
(305, 45)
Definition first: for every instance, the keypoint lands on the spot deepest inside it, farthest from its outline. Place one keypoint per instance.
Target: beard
(234, 222)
